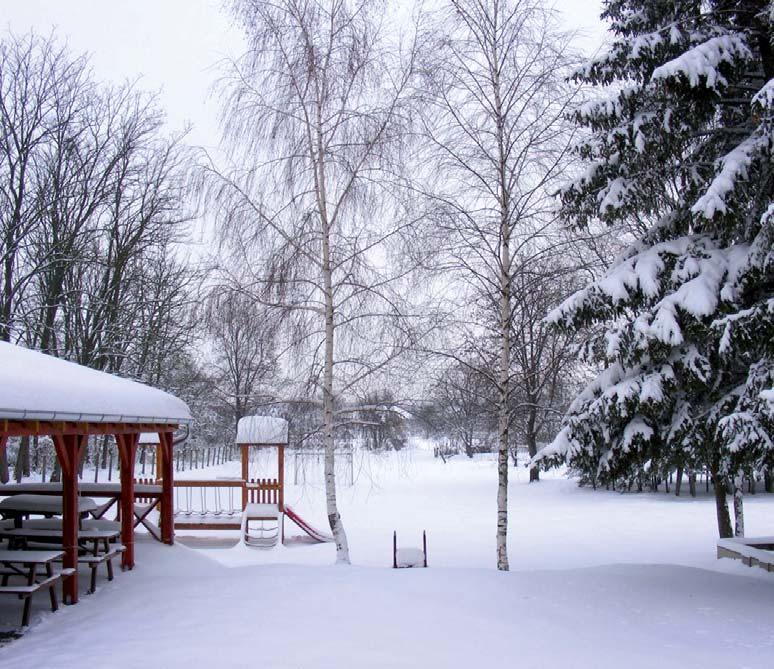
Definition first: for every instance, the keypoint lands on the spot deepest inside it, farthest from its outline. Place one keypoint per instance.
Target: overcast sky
(174, 46)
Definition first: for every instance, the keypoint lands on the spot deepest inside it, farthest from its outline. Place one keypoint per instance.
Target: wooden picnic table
(149, 496)
(94, 546)
(107, 489)
(89, 540)
(20, 506)
(24, 564)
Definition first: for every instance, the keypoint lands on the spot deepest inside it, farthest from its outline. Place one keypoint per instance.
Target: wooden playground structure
(251, 504)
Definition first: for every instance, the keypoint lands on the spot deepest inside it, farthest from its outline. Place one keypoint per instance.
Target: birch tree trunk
(503, 409)
(334, 517)
(503, 418)
(738, 506)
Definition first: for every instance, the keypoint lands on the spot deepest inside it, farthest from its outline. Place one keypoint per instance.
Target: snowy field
(598, 579)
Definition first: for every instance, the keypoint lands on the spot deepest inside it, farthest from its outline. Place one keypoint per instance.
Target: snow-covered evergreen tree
(683, 144)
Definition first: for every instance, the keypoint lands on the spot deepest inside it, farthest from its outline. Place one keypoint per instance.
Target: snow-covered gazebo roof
(39, 387)
(263, 430)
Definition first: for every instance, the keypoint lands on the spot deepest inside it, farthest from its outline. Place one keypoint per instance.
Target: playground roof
(39, 387)
(263, 430)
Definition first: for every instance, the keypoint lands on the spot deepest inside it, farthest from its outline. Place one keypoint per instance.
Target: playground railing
(263, 491)
(208, 498)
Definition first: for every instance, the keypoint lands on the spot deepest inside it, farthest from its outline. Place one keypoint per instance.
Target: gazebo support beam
(166, 472)
(68, 451)
(127, 453)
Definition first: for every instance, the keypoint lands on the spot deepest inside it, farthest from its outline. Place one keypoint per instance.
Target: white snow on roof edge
(262, 430)
(36, 386)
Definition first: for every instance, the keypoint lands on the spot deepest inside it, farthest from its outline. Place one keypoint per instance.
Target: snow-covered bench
(14, 564)
(751, 551)
(95, 547)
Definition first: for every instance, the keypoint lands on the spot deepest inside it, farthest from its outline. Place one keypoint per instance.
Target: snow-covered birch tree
(314, 124)
(495, 124)
(681, 139)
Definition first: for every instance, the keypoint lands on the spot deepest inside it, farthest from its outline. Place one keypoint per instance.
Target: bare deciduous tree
(315, 122)
(496, 125)
(91, 211)
(243, 340)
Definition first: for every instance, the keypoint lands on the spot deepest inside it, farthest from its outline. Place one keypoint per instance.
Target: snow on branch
(764, 98)
(768, 397)
(747, 321)
(690, 274)
(613, 196)
(637, 430)
(699, 65)
(734, 166)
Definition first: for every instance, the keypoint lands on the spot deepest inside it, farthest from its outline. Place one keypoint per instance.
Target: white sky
(174, 46)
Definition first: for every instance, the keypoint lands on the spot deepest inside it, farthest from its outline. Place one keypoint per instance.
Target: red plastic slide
(316, 534)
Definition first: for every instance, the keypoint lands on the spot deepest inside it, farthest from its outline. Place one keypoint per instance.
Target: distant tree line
(91, 213)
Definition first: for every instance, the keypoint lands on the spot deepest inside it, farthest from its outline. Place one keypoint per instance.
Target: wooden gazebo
(42, 395)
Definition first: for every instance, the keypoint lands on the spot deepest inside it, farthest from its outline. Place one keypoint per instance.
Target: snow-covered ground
(598, 579)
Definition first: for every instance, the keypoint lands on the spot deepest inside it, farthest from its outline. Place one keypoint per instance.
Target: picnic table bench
(18, 507)
(147, 498)
(94, 546)
(14, 564)
(56, 524)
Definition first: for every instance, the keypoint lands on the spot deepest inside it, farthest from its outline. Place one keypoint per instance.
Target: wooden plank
(209, 483)
(207, 526)
(32, 428)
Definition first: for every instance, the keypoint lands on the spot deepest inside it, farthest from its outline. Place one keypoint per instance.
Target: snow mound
(410, 557)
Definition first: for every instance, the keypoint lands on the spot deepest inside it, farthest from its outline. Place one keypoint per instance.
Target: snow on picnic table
(599, 580)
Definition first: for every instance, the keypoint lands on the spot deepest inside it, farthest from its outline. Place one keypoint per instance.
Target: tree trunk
(738, 507)
(502, 400)
(692, 483)
(725, 531)
(4, 477)
(334, 517)
(22, 466)
(534, 472)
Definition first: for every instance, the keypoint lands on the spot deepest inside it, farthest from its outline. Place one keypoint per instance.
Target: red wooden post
(281, 477)
(127, 452)
(3, 440)
(167, 520)
(245, 472)
(68, 448)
